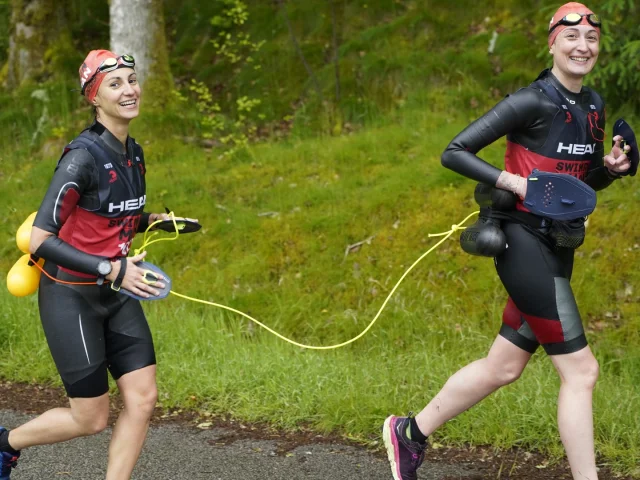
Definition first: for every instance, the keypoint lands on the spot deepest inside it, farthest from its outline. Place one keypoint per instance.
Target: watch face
(104, 267)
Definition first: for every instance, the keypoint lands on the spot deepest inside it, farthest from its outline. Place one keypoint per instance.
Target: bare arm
(38, 236)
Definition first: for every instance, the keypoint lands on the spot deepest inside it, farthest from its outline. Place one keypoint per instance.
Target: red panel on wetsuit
(98, 235)
(520, 161)
(511, 315)
(546, 330)
(69, 202)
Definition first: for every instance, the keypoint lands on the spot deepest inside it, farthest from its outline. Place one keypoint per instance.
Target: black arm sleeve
(144, 222)
(61, 253)
(513, 113)
(599, 177)
(74, 177)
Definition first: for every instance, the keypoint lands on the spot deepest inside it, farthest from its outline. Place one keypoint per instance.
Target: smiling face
(118, 97)
(575, 51)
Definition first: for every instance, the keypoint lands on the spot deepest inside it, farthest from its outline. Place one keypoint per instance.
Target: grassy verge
(278, 219)
(289, 269)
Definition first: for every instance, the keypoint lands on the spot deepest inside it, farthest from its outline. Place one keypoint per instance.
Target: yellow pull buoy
(23, 279)
(23, 235)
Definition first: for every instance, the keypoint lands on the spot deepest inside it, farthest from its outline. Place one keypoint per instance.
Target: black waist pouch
(567, 234)
(562, 233)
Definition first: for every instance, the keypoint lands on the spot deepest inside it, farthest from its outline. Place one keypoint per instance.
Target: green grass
(290, 271)
(411, 80)
(392, 54)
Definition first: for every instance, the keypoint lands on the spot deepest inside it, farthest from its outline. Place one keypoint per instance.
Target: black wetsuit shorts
(552, 129)
(541, 309)
(91, 329)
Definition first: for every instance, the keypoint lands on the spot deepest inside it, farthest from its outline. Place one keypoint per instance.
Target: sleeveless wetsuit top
(97, 194)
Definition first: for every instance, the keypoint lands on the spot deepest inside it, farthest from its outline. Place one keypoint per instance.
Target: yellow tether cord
(146, 240)
(445, 235)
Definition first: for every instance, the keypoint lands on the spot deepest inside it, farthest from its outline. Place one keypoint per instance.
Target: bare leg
(503, 365)
(578, 372)
(86, 416)
(139, 393)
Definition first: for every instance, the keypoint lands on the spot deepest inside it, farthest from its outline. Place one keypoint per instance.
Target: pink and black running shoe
(405, 455)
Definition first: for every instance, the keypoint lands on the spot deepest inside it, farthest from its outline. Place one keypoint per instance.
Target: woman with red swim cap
(84, 227)
(554, 125)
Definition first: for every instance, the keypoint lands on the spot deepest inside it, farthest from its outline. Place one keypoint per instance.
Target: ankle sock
(414, 432)
(4, 443)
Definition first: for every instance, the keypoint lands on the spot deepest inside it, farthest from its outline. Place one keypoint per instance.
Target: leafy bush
(617, 76)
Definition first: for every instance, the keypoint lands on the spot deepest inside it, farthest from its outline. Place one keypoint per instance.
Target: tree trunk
(137, 28)
(36, 25)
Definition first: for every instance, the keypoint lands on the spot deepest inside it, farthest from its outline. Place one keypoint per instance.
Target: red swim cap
(571, 7)
(91, 77)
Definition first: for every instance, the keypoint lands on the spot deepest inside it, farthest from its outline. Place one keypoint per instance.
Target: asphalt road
(181, 452)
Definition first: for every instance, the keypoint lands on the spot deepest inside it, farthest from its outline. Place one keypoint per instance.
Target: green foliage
(237, 124)
(5, 15)
(290, 269)
(279, 215)
(211, 119)
(40, 118)
(391, 55)
(214, 125)
(235, 46)
(83, 29)
(62, 56)
(235, 13)
(617, 75)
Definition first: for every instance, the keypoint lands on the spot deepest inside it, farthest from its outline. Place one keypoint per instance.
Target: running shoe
(7, 461)
(405, 455)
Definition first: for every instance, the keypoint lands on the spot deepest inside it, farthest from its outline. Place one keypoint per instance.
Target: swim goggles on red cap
(576, 18)
(110, 64)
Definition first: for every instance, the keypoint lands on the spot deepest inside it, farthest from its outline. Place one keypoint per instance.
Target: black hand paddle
(623, 129)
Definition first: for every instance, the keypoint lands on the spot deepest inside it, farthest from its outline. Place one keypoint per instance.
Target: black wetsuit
(94, 207)
(551, 129)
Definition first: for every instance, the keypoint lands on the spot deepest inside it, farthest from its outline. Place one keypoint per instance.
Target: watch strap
(123, 269)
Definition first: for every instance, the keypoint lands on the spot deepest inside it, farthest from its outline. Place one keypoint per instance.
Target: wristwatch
(104, 269)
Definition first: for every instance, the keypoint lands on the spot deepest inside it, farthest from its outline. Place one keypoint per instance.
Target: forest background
(305, 136)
